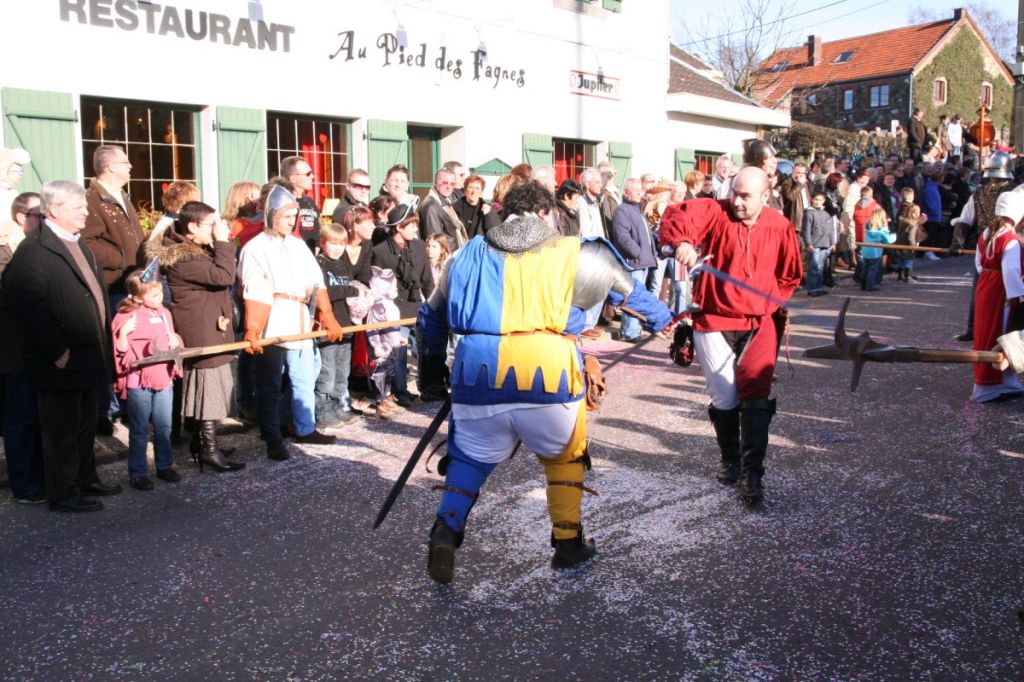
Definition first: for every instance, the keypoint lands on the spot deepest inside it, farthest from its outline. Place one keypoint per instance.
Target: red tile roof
(878, 54)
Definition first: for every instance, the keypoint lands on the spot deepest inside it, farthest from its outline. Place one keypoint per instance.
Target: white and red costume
(998, 260)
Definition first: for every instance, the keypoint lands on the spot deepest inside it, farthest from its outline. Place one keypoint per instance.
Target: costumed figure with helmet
(518, 296)
(978, 214)
(281, 283)
(999, 295)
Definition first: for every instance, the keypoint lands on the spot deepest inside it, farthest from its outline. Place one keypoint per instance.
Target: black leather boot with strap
(755, 418)
(727, 433)
(209, 453)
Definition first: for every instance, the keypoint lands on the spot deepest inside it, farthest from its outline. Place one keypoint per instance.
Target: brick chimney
(813, 50)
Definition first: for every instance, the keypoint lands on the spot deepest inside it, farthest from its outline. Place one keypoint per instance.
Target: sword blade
(718, 274)
(425, 439)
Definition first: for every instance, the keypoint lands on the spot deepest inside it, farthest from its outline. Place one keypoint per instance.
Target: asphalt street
(889, 546)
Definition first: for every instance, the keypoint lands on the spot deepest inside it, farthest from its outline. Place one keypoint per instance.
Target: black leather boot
(571, 552)
(208, 451)
(755, 417)
(727, 432)
(195, 445)
(441, 551)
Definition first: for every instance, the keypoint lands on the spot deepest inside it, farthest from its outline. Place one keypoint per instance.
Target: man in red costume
(737, 333)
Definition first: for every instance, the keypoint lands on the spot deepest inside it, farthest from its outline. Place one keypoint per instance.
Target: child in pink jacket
(142, 327)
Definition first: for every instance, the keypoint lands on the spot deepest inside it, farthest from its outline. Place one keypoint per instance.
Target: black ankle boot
(571, 552)
(441, 551)
(727, 432)
(755, 417)
(208, 451)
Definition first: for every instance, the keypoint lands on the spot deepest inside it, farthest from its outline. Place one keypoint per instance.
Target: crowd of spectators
(87, 294)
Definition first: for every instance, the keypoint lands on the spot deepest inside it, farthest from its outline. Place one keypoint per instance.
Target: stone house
(876, 81)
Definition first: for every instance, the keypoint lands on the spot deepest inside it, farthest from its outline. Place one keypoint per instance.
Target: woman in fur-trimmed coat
(199, 262)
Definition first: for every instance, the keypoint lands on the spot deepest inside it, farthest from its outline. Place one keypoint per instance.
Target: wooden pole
(905, 247)
(178, 354)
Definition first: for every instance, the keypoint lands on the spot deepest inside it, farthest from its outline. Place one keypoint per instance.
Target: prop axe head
(159, 354)
(846, 348)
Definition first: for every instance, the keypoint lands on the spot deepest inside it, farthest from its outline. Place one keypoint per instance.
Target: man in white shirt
(279, 278)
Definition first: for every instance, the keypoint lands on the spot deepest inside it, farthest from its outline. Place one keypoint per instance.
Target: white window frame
(876, 98)
(848, 107)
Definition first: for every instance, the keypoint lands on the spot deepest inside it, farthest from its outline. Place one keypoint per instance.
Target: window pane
(141, 193)
(88, 149)
(161, 126)
(111, 128)
(422, 161)
(163, 162)
(139, 156)
(91, 128)
(183, 127)
(286, 135)
(138, 124)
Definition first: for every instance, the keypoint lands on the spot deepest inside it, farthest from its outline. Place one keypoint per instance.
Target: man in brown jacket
(112, 231)
(114, 236)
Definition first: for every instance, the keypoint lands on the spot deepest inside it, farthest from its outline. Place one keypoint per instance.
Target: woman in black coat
(406, 254)
(199, 262)
(475, 213)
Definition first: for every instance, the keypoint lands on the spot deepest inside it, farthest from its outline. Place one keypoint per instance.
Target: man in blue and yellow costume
(517, 296)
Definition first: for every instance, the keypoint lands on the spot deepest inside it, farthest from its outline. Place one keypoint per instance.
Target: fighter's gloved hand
(325, 316)
(256, 316)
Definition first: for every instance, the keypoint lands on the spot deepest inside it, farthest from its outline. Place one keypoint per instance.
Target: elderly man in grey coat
(634, 241)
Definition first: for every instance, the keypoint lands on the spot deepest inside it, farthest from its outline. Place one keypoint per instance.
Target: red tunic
(990, 303)
(766, 256)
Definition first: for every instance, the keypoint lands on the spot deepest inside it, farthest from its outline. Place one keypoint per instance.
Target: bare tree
(998, 27)
(737, 37)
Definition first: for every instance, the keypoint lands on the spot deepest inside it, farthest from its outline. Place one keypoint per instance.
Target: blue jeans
(657, 275)
(332, 384)
(23, 445)
(145, 405)
(630, 328)
(872, 273)
(816, 269)
(301, 368)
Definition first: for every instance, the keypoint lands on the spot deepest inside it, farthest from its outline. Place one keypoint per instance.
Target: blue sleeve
(432, 329)
(642, 301)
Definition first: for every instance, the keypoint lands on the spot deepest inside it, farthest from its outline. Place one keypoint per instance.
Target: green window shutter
(737, 160)
(685, 162)
(42, 123)
(241, 146)
(621, 156)
(388, 146)
(613, 5)
(538, 150)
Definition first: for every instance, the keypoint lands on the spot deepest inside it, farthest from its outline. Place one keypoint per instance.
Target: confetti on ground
(889, 547)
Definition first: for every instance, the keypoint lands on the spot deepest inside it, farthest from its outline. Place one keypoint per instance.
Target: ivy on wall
(962, 64)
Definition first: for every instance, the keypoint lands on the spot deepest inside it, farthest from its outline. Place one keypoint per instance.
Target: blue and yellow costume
(513, 296)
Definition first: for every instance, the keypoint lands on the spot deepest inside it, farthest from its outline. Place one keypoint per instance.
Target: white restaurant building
(216, 91)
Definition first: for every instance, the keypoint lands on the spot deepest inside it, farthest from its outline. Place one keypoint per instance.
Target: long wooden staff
(179, 354)
(907, 247)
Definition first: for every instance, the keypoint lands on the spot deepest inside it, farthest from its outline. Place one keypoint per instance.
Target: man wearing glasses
(113, 234)
(357, 193)
(307, 226)
(437, 215)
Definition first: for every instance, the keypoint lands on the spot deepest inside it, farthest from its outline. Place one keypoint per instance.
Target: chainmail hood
(519, 234)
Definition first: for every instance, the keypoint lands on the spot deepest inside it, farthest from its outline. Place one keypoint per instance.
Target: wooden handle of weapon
(907, 247)
(273, 341)
(952, 356)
